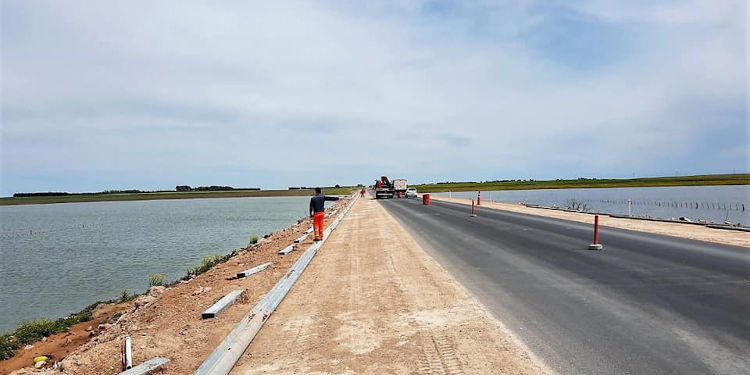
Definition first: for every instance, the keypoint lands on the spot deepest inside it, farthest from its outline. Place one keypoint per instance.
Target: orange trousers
(318, 220)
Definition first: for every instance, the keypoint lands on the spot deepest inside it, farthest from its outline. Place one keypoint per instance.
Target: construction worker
(318, 212)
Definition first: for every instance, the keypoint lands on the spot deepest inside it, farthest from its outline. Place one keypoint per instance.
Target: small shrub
(8, 346)
(156, 279)
(126, 296)
(85, 316)
(210, 260)
(207, 262)
(31, 332)
(253, 239)
(577, 205)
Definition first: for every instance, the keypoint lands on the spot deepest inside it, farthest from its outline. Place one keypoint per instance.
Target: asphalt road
(647, 304)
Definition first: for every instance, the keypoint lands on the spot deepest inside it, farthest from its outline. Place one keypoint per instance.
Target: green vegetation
(253, 239)
(206, 263)
(31, 332)
(94, 197)
(156, 279)
(126, 295)
(702, 180)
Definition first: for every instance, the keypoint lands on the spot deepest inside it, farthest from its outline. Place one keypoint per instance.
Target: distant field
(169, 195)
(702, 180)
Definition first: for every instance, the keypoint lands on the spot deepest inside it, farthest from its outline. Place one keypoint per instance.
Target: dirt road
(373, 302)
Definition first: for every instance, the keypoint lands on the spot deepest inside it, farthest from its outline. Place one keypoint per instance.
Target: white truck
(399, 187)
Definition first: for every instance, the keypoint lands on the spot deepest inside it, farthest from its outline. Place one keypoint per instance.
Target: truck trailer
(385, 189)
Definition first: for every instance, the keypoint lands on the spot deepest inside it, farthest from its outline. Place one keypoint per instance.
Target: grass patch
(207, 263)
(156, 279)
(127, 295)
(33, 331)
(30, 332)
(702, 180)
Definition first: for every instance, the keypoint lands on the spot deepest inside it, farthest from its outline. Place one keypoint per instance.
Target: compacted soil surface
(373, 302)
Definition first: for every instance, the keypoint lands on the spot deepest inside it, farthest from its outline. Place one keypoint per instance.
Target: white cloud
(199, 88)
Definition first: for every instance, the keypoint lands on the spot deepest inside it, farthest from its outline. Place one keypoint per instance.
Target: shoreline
(80, 198)
(441, 187)
(109, 313)
(588, 183)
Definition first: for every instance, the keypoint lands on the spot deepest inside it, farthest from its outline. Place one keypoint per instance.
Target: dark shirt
(318, 203)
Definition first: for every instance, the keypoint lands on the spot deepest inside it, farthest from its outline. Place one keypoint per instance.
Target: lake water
(56, 259)
(712, 203)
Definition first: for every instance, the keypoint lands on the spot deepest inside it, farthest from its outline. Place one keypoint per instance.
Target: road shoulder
(694, 232)
(372, 301)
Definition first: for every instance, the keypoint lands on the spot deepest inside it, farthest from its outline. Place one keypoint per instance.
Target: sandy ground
(695, 232)
(373, 302)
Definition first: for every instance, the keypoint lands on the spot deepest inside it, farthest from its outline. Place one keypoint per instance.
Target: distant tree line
(129, 191)
(63, 193)
(481, 182)
(322, 187)
(41, 194)
(209, 188)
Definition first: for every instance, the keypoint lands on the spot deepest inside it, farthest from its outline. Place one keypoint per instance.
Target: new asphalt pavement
(646, 304)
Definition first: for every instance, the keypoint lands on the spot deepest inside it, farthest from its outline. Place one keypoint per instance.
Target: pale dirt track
(694, 232)
(373, 302)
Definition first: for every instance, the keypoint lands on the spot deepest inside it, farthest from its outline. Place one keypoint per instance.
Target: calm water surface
(712, 203)
(58, 258)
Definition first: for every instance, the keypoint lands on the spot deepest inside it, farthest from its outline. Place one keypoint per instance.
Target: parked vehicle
(411, 192)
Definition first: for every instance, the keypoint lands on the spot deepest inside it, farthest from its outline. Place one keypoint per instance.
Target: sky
(101, 95)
